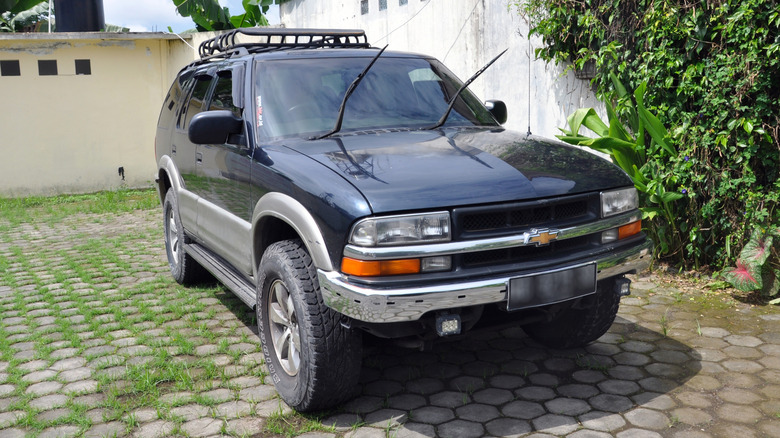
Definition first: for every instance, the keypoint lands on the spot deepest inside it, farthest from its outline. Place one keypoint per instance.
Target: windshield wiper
(460, 90)
(349, 92)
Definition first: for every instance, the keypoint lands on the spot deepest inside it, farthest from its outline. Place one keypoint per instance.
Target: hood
(414, 170)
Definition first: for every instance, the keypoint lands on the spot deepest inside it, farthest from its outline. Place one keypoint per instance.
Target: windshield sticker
(259, 111)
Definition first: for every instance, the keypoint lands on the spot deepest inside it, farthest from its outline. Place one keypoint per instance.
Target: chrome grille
(516, 218)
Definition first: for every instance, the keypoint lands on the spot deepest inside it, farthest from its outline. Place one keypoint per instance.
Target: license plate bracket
(549, 287)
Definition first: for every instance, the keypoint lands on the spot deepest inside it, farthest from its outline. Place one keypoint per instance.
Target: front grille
(503, 218)
(524, 217)
(522, 254)
(517, 218)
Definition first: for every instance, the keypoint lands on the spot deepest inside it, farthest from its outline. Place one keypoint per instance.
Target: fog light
(623, 287)
(447, 324)
(434, 264)
(609, 236)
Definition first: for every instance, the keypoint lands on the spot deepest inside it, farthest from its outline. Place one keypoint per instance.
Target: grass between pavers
(16, 211)
(69, 296)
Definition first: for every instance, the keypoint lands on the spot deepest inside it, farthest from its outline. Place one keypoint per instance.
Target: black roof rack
(256, 40)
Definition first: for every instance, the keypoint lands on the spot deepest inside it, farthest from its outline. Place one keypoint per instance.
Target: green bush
(636, 155)
(714, 72)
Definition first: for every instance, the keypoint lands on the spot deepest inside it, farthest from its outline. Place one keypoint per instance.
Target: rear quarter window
(195, 103)
(172, 103)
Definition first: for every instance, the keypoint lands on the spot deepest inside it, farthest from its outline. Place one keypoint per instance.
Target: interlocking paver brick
(10, 418)
(567, 406)
(602, 421)
(743, 341)
(638, 433)
(524, 410)
(53, 415)
(43, 388)
(60, 432)
(386, 418)
(461, 428)
(742, 366)
(49, 402)
(555, 424)
(738, 413)
(691, 416)
(619, 387)
(433, 415)
(535, 393)
(80, 387)
(111, 429)
(75, 375)
(39, 376)
(246, 426)
(477, 412)
(155, 429)
(647, 419)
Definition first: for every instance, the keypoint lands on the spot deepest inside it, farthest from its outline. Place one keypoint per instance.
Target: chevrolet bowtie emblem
(541, 237)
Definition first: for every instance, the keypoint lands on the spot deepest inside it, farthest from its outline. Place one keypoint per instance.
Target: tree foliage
(208, 15)
(21, 15)
(713, 77)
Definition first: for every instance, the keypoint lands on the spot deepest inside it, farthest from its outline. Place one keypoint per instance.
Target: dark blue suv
(339, 189)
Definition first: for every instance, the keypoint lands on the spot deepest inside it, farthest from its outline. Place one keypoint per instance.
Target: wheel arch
(280, 217)
(167, 177)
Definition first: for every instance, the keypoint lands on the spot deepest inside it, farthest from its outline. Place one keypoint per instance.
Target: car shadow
(498, 381)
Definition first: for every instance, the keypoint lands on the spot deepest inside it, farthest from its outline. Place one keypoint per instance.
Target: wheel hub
(173, 237)
(283, 323)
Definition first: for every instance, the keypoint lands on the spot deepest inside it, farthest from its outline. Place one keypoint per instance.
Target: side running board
(224, 273)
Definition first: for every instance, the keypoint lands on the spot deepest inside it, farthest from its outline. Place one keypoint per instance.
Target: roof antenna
(528, 37)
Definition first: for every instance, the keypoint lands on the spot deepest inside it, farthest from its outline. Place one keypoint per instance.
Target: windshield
(301, 97)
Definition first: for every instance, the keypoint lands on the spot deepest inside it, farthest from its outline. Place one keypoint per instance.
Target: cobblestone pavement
(96, 340)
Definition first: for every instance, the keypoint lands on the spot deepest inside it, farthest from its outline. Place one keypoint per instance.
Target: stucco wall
(465, 35)
(68, 133)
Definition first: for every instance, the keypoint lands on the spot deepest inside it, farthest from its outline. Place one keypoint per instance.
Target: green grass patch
(292, 424)
(18, 210)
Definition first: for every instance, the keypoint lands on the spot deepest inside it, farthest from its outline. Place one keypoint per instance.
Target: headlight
(619, 201)
(402, 230)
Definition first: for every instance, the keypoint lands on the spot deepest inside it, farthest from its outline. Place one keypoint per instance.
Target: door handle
(198, 158)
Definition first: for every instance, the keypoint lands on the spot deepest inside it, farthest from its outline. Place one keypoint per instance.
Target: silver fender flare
(167, 164)
(293, 213)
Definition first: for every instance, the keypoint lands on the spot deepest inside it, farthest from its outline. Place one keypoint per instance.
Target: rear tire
(313, 360)
(184, 269)
(576, 327)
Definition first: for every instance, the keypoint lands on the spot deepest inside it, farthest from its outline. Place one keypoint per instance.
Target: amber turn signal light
(374, 268)
(630, 229)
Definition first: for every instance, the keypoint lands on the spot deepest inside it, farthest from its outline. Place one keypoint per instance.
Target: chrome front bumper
(409, 304)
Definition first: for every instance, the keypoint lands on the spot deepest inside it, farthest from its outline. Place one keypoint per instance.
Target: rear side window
(222, 98)
(198, 96)
(171, 103)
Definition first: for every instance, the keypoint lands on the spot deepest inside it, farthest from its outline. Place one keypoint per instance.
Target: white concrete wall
(465, 35)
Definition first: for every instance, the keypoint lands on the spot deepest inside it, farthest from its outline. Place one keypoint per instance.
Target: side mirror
(498, 109)
(214, 127)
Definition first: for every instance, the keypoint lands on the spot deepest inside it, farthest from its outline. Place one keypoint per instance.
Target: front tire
(184, 269)
(582, 324)
(313, 360)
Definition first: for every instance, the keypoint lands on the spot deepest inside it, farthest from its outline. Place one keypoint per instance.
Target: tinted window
(170, 105)
(222, 98)
(302, 96)
(198, 96)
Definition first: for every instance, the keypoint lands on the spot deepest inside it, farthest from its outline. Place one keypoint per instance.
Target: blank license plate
(551, 287)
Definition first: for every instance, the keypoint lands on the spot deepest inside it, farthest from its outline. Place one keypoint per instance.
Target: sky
(157, 15)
